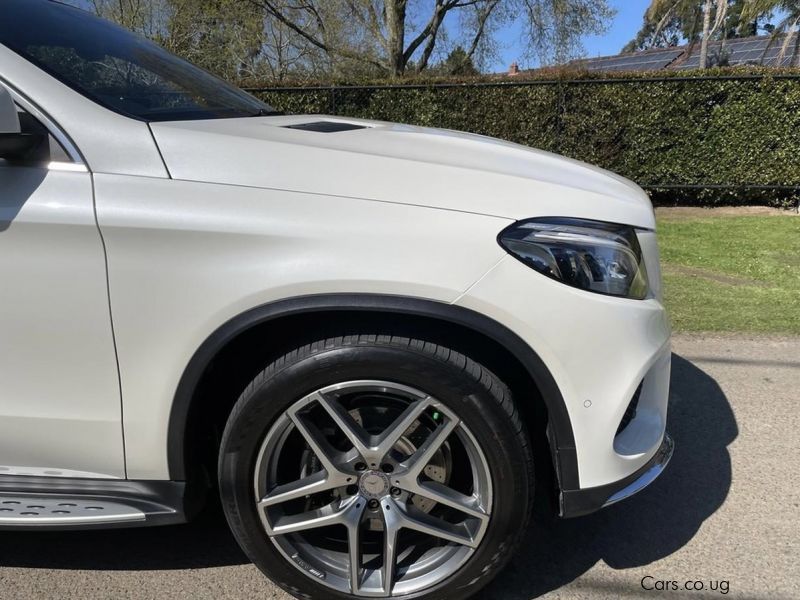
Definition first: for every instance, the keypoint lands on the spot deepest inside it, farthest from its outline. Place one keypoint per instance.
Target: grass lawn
(731, 269)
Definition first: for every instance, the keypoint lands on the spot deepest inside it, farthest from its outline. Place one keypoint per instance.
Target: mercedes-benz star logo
(374, 484)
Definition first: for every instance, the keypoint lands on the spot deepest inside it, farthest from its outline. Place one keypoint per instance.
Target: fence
(727, 139)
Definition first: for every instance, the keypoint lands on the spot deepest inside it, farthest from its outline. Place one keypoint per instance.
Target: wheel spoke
(334, 513)
(415, 464)
(353, 518)
(355, 434)
(316, 440)
(395, 431)
(441, 494)
(412, 518)
(320, 481)
(392, 519)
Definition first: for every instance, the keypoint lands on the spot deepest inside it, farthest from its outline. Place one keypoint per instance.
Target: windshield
(117, 68)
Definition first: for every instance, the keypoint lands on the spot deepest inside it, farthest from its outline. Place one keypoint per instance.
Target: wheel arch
(478, 327)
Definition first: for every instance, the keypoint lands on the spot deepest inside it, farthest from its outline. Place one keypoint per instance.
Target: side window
(48, 150)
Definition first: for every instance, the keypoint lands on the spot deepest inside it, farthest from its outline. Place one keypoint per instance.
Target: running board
(36, 511)
(56, 503)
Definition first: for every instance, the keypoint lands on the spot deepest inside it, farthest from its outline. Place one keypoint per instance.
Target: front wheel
(376, 465)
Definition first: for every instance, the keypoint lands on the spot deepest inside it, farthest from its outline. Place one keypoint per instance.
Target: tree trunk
(706, 33)
(396, 34)
(436, 22)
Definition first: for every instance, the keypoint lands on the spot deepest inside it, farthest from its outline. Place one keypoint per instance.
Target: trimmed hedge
(723, 134)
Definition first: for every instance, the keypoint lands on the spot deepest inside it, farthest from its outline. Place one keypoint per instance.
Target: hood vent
(325, 126)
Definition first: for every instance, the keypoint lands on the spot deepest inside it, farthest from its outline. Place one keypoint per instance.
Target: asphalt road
(727, 510)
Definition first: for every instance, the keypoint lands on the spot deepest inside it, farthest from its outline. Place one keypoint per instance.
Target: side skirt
(59, 503)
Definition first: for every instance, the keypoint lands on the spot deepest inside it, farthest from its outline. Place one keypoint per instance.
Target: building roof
(756, 50)
(762, 50)
(646, 60)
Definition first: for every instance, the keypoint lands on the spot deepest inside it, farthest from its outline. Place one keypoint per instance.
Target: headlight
(590, 255)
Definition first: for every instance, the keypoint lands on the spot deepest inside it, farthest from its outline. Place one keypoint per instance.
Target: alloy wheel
(373, 488)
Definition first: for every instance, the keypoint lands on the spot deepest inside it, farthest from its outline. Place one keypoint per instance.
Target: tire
(367, 381)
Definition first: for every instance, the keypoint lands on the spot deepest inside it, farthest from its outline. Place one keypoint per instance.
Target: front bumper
(575, 503)
(601, 352)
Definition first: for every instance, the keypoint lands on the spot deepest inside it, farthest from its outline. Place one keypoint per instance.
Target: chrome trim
(660, 461)
(66, 166)
(56, 131)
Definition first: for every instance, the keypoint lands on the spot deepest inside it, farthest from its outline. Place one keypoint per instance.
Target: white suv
(370, 339)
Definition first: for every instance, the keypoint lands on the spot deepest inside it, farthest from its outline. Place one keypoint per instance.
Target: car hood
(389, 162)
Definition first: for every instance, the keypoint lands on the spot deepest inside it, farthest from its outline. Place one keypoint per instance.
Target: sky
(622, 30)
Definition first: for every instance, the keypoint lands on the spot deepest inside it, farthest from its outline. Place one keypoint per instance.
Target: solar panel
(743, 52)
(638, 61)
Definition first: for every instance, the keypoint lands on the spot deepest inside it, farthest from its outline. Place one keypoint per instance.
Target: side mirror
(14, 143)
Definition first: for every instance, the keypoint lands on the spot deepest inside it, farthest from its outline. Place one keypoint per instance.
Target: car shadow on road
(656, 523)
(205, 542)
(659, 520)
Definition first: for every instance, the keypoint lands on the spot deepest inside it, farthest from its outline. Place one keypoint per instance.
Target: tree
(142, 16)
(738, 24)
(458, 62)
(352, 38)
(667, 22)
(669, 34)
(719, 8)
(382, 33)
(223, 36)
(786, 28)
(284, 54)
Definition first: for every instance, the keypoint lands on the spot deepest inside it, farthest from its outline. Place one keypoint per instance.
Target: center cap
(373, 484)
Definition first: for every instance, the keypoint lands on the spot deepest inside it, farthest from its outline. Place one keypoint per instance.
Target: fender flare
(559, 431)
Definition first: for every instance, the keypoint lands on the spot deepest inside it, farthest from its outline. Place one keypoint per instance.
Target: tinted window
(116, 68)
